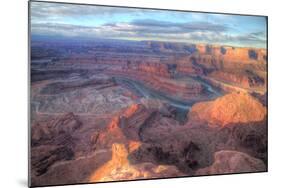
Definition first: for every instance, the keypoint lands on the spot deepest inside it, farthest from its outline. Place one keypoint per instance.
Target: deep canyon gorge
(111, 110)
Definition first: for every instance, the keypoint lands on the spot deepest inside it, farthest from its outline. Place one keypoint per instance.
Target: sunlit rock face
(234, 54)
(125, 127)
(119, 168)
(231, 108)
(226, 162)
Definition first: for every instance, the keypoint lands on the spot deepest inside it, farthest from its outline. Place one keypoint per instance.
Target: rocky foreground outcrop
(55, 131)
(119, 168)
(235, 107)
(53, 141)
(227, 161)
(124, 127)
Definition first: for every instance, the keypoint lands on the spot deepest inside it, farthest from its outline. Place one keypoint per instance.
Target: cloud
(63, 30)
(135, 31)
(69, 20)
(77, 31)
(136, 28)
(54, 11)
(182, 27)
(157, 27)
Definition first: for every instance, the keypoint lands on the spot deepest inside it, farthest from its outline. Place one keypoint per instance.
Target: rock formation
(53, 141)
(57, 129)
(231, 108)
(119, 168)
(125, 127)
(226, 162)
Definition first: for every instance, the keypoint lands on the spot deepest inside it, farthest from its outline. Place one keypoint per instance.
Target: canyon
(112, 110)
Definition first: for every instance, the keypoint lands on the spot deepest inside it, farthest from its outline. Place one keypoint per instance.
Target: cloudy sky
(55, 19)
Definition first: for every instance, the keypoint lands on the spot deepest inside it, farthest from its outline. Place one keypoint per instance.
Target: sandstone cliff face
(226, 161)
(119, 168)
(231, 108)
(242, 67)
(234, 54)
(125, 127)
(154, 69)
(246, 79)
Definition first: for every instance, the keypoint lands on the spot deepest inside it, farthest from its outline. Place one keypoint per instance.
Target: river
(147, 92)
